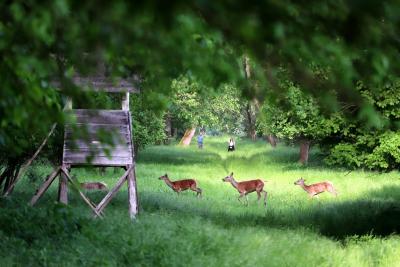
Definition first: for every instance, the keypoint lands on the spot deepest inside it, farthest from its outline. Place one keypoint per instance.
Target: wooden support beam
(63, 184)
(44, 186)
(68, 103)
(29, 161)
(86, 199)
(103, 203)
(131, 180)
(132, 193)
(63, 188)
(125, 101)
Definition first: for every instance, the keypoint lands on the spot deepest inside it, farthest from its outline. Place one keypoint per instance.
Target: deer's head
(164, 177)
(300, 181)
(228, 178)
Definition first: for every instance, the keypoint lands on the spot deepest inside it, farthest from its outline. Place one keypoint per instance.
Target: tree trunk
(251, 121)
(253, 134)
(246, 67)
(187, 137)
(252, 106)
(272, 140)
(304, 149)
(168, 125)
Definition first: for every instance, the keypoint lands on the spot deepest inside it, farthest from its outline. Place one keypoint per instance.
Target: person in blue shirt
(200, 140)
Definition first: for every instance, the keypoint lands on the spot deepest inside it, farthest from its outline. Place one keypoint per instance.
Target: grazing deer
(182, 185)
(247, 187)
(315, 189)
(94, 186)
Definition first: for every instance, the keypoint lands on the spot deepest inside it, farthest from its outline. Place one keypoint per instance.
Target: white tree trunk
(187, 138)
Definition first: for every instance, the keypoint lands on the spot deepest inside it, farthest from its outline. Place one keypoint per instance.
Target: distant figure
(231, 145)
(200, 140)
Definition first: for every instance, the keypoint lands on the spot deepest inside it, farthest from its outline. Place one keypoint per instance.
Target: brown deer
(247, 187)
(182, 185)
(315, 189)
(94, 186)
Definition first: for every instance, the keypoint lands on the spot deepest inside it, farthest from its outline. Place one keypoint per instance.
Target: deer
(182, 185)
(247, 187)
(94, 186)
(318, 188)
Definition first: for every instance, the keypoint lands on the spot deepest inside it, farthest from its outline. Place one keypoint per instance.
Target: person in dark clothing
(231, 145)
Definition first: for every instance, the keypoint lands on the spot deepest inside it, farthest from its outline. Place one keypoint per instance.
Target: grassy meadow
(355, 229)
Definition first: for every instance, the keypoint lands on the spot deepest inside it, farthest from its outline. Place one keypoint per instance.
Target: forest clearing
(353, 229)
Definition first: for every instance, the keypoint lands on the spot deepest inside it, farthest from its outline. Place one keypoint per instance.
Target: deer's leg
(259, 195)
(241, 195)
(247, 200)
(265, 198)
(197, 190)
(178, 191)
(332, 191)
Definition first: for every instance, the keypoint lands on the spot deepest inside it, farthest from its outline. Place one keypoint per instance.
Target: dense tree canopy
(327, 48)
(191, 107)
(297, 116)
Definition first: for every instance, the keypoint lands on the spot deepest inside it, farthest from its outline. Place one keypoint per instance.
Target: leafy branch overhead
(337, 57)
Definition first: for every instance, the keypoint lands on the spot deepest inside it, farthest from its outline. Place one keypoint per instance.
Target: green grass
(355, 229)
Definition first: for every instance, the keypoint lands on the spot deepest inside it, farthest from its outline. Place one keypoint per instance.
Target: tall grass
(358, 228)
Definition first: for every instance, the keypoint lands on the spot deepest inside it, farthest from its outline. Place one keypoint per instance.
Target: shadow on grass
(51, 220)
(378, 214)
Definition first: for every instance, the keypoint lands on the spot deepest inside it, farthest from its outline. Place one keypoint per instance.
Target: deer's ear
(231, 173)
(166, 175)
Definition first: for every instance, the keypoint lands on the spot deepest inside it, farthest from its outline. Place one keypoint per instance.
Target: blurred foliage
(43, 41)
(325, 46)
(372, 146)
(347, 40)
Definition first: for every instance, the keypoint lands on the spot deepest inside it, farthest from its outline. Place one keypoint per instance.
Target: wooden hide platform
(91, 150)
(84, 145)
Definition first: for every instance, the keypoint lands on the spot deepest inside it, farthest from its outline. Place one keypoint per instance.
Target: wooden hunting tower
(90, 150)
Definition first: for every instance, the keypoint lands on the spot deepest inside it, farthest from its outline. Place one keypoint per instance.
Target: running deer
(247, 187)
(182, 185)
(315, 189)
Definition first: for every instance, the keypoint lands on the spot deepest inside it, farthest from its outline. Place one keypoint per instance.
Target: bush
(386, 155)
(380, 152)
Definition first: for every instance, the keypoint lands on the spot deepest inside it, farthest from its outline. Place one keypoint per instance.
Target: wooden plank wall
(88, 147)
(104, 84)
